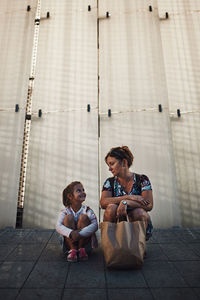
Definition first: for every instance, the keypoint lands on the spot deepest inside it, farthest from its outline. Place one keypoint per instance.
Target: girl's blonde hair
(69, 190)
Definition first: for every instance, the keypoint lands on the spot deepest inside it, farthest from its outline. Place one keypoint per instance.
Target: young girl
(77, 224)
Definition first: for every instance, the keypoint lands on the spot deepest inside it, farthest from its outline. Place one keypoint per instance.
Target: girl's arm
(60, 228)
(91, 228)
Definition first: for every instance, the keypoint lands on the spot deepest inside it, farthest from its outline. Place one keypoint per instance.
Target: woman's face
(114, 165)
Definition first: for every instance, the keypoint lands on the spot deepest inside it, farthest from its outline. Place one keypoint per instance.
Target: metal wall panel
(64, 141)
(178, 7)
(133, 83)
(131, 60)
(16, 34)
(63, 148)
(148, 136)
(186, 144)
(66, 72)
(181, 50)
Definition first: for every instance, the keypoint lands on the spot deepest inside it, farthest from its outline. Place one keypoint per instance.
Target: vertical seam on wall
(27, 123)
(174, 215)
(98, 79)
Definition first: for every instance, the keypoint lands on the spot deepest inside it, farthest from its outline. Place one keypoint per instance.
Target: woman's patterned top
(137, 189)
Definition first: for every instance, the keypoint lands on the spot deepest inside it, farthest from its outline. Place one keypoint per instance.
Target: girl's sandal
(82, 254)
(72, 255)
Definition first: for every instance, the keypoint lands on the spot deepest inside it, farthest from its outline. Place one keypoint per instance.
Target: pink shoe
(72, 256)
(82, 254)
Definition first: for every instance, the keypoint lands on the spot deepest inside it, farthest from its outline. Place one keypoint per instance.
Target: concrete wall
(142, 60)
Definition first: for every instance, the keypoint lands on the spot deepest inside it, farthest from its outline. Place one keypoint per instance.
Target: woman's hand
(121, 210)
(74, 235)
(139, 199)
(135, 198)
(143, 201)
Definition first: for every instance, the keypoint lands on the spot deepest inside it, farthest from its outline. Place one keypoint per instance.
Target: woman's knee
(111, 209)
(110, 212)
(139, 214)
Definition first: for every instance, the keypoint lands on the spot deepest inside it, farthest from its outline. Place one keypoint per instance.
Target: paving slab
(8, 294)
(178, 252)
(130, 294)
(54, 238)
(52, 252)
(40, 294)
(12, 237)
(162, 274)
(38, 236)
(155, 252)
(174, 293)
(85, 294)
(125, 279)
(166, 236)
(48, 275)
(96, 257)
(197, 292)
(5, 250)
(189, 236)
(195, 248)
(86, 274)
(13, 274)
(26, 252)
(190, 271)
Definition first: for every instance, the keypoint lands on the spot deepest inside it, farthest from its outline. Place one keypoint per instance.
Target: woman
(126, 193)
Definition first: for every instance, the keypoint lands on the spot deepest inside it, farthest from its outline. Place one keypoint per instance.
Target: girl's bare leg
(83, 221)
(70, 223)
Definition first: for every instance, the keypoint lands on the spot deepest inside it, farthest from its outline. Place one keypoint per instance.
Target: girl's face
(79, 194)
(115, 165)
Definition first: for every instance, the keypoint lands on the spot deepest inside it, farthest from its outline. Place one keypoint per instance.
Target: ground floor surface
(32, 266)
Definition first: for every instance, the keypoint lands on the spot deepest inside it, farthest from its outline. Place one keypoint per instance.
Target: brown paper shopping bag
(123, 244)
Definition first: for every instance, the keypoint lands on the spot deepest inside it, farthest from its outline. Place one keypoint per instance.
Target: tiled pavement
(32, 266)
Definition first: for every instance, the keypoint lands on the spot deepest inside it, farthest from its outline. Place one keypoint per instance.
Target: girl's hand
(121, 210)
(74, 235)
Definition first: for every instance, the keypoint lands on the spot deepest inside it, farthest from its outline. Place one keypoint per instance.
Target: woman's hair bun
(121, 153)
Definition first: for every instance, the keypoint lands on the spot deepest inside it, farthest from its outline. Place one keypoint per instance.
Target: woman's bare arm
(148, 195)
(144, 201)
(106, 199)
